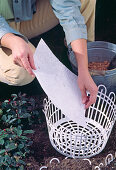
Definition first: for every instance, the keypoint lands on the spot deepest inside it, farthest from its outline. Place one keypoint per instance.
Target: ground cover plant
(16, 117)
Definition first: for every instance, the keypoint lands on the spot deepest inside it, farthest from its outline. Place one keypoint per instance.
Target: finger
(93, 97)
(31, 60)
(83, 95)
(92, 100)
(27, 66)
(87, 100)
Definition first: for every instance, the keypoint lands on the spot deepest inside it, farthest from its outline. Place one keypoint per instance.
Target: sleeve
(68, 13)
(5, 28)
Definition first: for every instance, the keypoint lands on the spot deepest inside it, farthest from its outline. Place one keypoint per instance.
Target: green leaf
(1, 159)
(4, 118)
(28, 131)
(21, 167)
(2, 151)
(11, 146)
(14, 136)
(26, 115)
(18, 153)
(13, 161)
(20, 146)
(5, 163)
(13, 95)
(9, 117)
(4, 135)
(19, 121)
(27, 150)
(8, 159)
(8, 110)
(30, 143)
(11, 121)
(24, 137)
(21, 162)
(1, 131)
(23, 102)
(1, 112)
(19, 111)
(24, 154)
(8, 168)
(6, 101)
(1, 141)
(19, 132)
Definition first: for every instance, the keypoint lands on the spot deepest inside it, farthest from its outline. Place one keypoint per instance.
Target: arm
(5, 28)
(15, 41)
(68, 13)
(85, 82)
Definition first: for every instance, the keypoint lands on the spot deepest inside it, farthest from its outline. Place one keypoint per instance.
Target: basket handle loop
(97, 167)
(54, 159)
(43, 167)
(87, 160)
(109, 159)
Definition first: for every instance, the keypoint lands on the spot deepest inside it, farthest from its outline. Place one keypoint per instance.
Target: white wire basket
(74, 140)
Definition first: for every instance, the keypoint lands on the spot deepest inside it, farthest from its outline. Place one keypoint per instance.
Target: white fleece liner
(59, 83)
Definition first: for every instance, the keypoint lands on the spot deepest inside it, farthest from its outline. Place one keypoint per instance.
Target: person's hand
(21, 52)
(86, 84)
(85, 81)
(22, 55)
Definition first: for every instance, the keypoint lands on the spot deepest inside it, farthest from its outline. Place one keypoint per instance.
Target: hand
(86, 83)
(21, 52)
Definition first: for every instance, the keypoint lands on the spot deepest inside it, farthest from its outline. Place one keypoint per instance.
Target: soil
(42, 152)
(98, 65)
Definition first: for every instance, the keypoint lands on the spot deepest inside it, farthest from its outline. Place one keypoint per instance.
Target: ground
(43, 152)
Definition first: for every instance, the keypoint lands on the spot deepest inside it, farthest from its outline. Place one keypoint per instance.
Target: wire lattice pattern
(73, 140)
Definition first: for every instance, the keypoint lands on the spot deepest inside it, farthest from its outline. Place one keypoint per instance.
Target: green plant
(13, 147)
(16, 116)
(19, 110)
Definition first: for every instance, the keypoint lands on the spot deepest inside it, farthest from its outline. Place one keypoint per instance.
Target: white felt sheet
(59, 83)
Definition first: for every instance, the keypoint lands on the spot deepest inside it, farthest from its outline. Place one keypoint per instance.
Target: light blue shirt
(67, 11)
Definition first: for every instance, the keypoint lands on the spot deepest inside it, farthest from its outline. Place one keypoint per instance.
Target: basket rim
(104, 44)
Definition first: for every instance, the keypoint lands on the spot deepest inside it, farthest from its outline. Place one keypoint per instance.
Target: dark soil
(43, 152)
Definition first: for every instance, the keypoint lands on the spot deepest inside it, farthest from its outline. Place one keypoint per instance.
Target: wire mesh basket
(73, 140)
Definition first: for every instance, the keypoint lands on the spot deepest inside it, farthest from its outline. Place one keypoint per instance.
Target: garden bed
(29, 112)
(43, 152)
